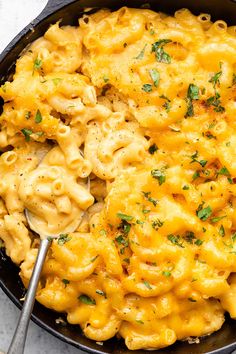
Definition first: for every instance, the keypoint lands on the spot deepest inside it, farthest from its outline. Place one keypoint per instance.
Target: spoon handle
(18, 342)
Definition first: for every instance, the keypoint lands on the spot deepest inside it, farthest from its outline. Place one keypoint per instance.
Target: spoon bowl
(18, 342)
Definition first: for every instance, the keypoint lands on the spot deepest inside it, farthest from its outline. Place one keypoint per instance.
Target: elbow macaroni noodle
(143, 104)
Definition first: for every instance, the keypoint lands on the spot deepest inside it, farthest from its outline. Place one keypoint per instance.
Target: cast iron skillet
(221, 342)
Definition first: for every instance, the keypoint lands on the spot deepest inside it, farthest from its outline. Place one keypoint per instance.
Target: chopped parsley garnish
(198, 242)
(203, 162)
(141, 54)
(223, 171)
(185, 187)
(38, 117)
(100, 292)
(175, 240)
(63, 238)
(38, 64)
(150, 199)
(155, 76)
(216, 103)
(194, 159)
(157, 223)
(126, 227)
(153, 148)
(27, 133)
(65, 282)
(204, 213)
(222, 231)
(122, 241)
(146, 283)
(167, 104)
(192, 94)
(195, 175)
(124, 217)
(27, 115)
(161, 55)
(147, 88)
(218, 218)
(189, 237)
(87, 300)
(216, 79)
(159, 175)
(166, 273)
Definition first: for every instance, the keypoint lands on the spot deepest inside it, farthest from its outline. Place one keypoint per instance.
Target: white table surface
(15, 15)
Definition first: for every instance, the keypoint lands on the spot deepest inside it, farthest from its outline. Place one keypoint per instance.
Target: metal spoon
(18, 342)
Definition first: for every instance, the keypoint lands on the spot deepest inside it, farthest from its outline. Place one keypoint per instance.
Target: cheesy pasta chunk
(127, 123)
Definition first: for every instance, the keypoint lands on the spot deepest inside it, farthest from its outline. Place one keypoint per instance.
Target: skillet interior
(221, 342)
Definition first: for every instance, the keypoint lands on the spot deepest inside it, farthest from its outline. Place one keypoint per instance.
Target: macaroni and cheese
(143, 104)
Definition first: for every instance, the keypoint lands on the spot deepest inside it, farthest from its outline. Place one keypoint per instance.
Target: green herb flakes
(155, 76)
(27, 115)
(195, 175)
(159, 175)
(65, 282)
(124, 217)
(146, 283)
(147, 88)
(216, 79)
(175, 240)
(221, 231)
(223, 171)
(141, 54)
(192, 94)
(218, 218)
(157, 223)
(204, 213)
(27, 133)
(185, 187)
(38, 64)
(38, 117)
(87, 300)
(152, 149)
(161, 55)
(63, 238)
(216, 103)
